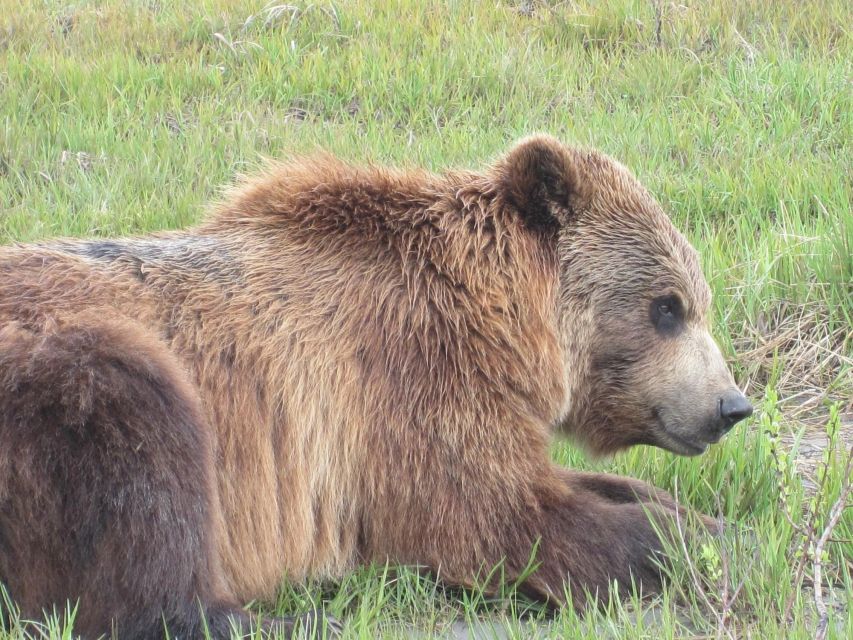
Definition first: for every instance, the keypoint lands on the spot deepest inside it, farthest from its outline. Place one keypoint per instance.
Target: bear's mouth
(670, 440)
(681, 446)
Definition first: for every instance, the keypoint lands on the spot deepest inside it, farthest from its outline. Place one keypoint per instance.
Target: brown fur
(374, 359)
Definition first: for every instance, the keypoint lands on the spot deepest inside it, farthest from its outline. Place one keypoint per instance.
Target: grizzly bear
(345, 365)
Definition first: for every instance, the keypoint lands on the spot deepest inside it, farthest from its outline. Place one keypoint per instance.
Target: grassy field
(121, 117)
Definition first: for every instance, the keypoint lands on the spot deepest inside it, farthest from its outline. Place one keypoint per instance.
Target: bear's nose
(734, 407)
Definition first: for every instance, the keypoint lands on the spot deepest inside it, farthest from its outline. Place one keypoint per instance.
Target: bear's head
(640, 364)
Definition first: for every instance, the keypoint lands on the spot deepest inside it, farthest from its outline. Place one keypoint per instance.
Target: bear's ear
(543, 180)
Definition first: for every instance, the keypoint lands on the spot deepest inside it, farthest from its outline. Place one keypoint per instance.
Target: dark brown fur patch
(107, 491)
(542, 179)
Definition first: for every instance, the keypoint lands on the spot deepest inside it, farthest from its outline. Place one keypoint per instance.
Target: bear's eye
(666, 315)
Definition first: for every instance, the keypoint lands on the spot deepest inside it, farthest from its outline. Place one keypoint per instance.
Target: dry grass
(806, 357)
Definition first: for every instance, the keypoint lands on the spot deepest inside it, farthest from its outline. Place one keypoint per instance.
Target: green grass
(125, 117)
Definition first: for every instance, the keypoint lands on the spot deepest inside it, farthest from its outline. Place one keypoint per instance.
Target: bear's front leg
(621, 489)
(592, 530)
(617, 489)
(580, 531)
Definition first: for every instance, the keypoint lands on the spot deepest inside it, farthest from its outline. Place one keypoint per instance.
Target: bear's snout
(734, 407)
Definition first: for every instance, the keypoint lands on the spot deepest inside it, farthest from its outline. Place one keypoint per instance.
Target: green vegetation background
(121, 117)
